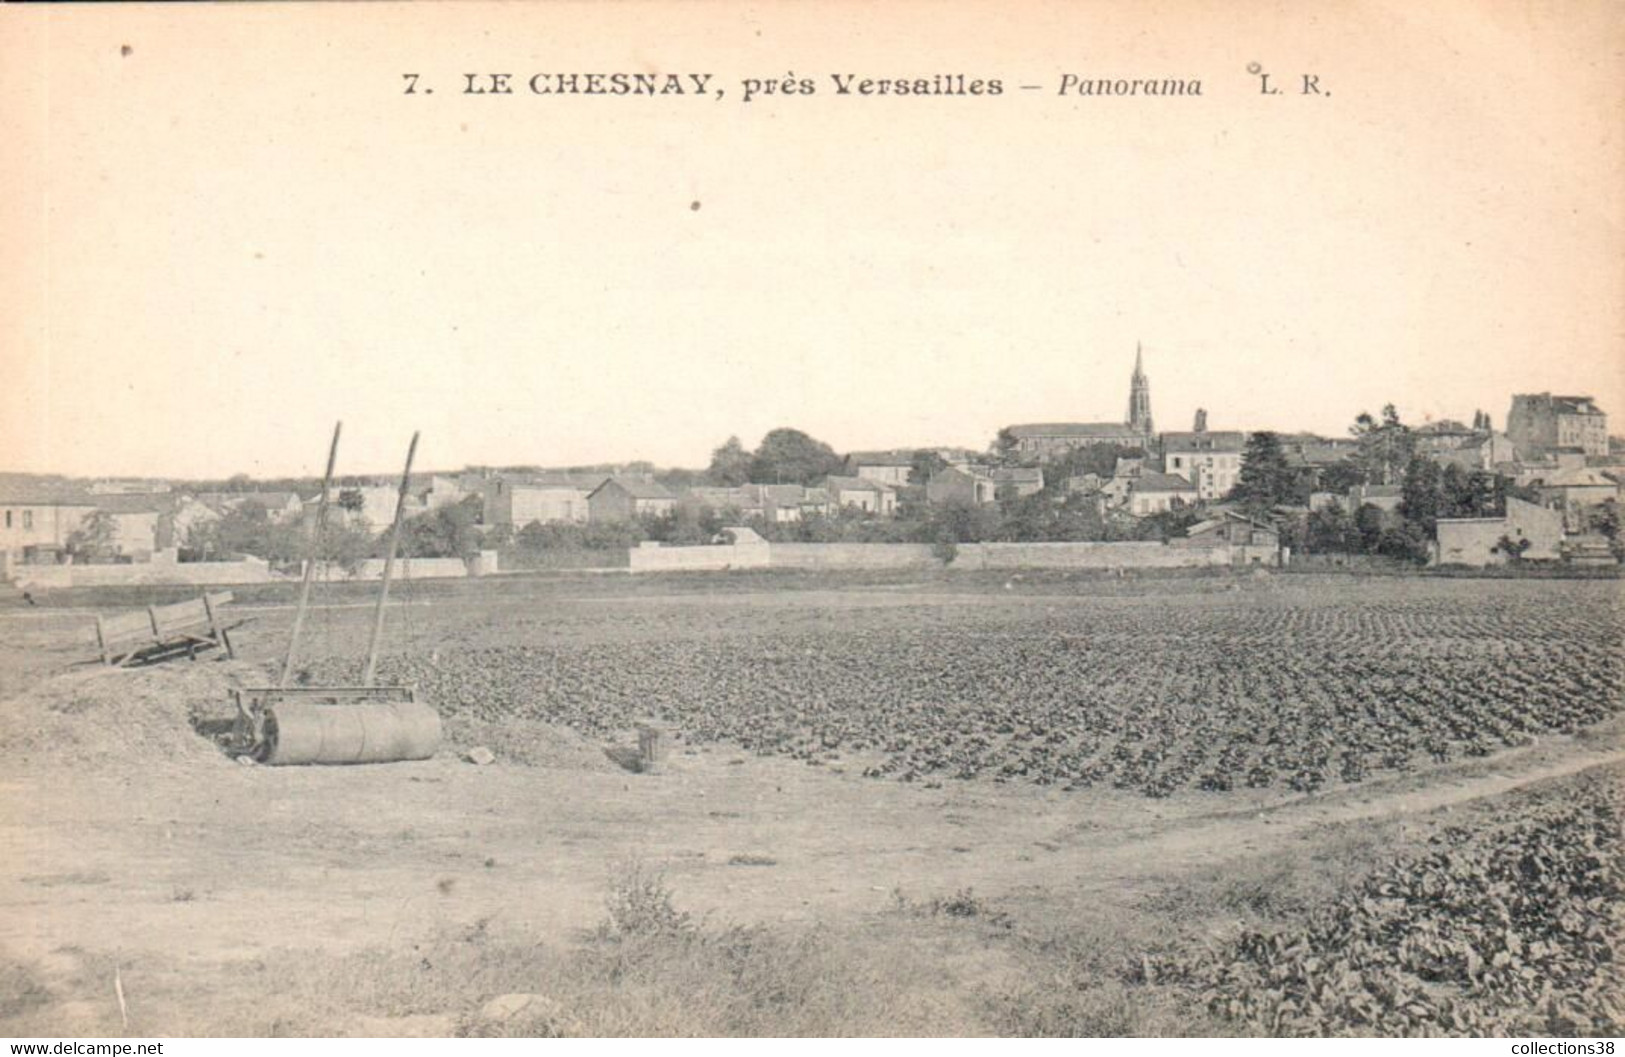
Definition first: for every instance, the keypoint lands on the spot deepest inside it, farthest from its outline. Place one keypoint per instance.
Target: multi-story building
(1156, 493)
(37, 520)
(1209, 460)
(1540, 422)
(517, 500)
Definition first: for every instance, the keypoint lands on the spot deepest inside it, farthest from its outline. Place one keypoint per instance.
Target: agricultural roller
(285, 724)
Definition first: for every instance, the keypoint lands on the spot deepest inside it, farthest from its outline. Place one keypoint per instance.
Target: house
(1209, 460)
(1313, 456)
(885, 467)
(1157, 493)
(1018, 481)
(1540, 422)
(1084, 484)
(37, 519)
(1128, 465)
(516, 500)
(783, 503)
(189, 511)
(445, 490)
(1385, 497)
(1478, 541)
(972, 485)
(1230, 527)
(743, 499)
(858, 493)
(279, 507)
(628, 498)
(373, 504)
(778, 503)
(128, 486)
(1575, 489)
(1480, 451)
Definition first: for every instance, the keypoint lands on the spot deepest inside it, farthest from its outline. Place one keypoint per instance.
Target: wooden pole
(310, 558)
(389, 566)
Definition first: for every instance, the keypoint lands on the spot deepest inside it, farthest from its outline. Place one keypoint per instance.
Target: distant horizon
(203, 281)
(1498, 424)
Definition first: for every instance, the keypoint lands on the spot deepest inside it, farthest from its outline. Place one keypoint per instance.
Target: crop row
(1154, 699)
(1507, 931)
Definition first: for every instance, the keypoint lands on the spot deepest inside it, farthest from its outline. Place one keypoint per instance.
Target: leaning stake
(389, 566)
(310, 558)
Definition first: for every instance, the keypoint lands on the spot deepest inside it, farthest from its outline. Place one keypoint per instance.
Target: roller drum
(375, 732)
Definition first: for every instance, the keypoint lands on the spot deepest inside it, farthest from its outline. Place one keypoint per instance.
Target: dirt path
(237, 860)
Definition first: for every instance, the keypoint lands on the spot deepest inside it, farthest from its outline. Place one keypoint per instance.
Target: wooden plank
(180, 615)
(208, 609)
(124, 626)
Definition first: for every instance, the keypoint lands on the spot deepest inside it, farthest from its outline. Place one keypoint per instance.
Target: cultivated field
(946, 804)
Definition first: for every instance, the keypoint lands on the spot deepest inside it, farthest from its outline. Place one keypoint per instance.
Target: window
(8, 519)
(28, 519)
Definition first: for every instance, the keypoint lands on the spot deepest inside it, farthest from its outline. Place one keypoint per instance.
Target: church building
(1048, 440)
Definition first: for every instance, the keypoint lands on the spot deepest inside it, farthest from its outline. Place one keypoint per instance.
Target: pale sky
(243, 230)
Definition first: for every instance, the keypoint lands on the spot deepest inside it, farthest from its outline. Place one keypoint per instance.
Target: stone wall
(677, 559)
(482, 564)
(851, 555)
(1086, 556)
(165, 569)
(819, 556)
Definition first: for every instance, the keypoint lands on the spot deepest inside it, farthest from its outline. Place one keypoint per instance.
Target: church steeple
(1139, 396)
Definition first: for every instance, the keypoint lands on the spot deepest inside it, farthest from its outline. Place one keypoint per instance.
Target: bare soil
(130, 845)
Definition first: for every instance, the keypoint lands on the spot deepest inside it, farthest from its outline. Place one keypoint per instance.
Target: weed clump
(639, 904)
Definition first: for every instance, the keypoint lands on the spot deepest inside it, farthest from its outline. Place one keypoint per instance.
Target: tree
(1407, 542)
(1005, 445)
(351, 501)
(347, 544)
(964, 522)
(1422, 496)
(1464, 493)
(789, 456)
(730, 464)
(96, 538)
(1332, 531)
(925, 465)
(1385, 446)
(1266, 480)
(445, 532)
(1339, 477)
(1369, 524)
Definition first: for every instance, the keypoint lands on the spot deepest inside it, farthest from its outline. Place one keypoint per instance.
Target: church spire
(1139, 395)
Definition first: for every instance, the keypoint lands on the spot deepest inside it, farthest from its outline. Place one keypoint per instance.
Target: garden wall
(973, 556)
(678, 559)
(1086, 556)
(161, 570)
(165, 569)
(851, 555)
(482, 564)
